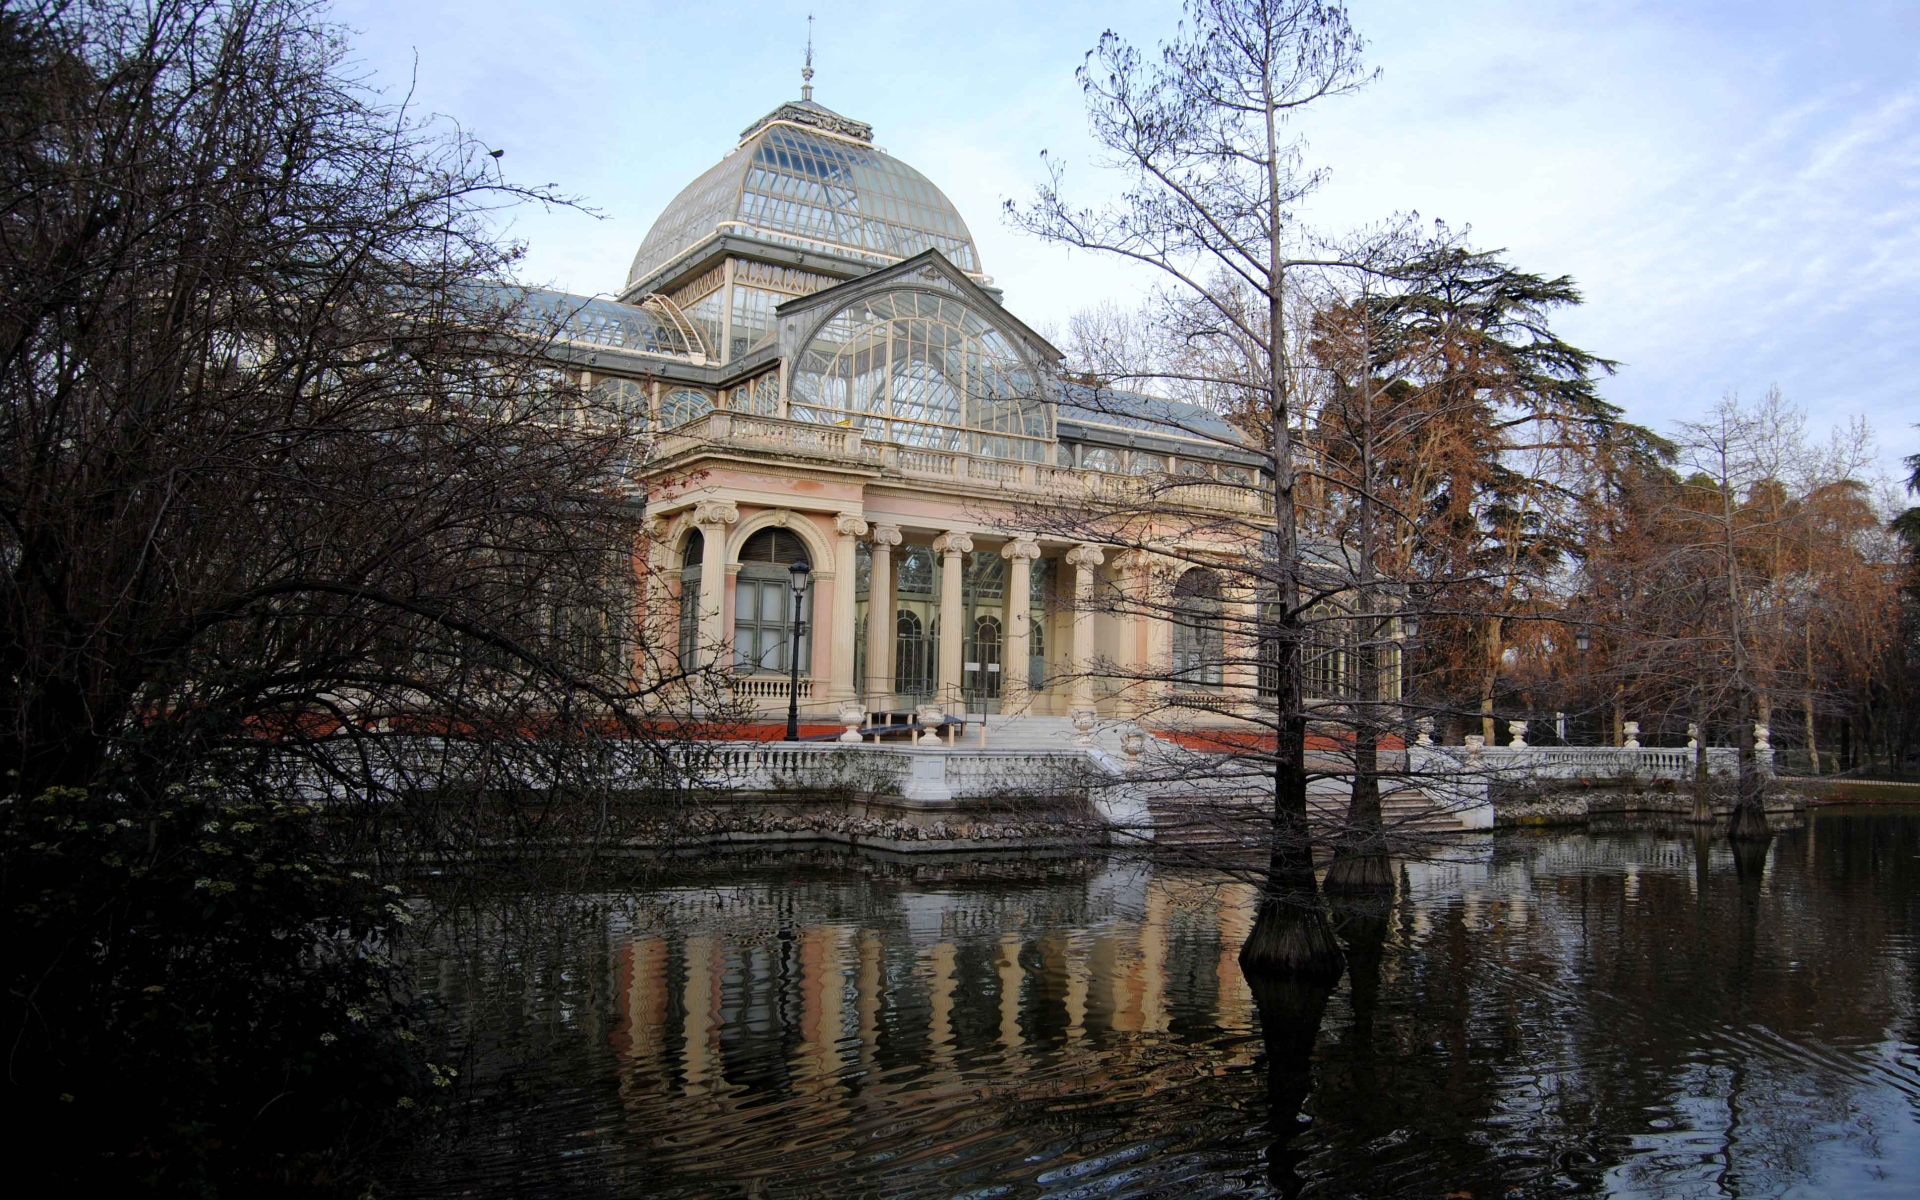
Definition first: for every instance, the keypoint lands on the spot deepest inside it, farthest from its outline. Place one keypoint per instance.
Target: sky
(1735, 187)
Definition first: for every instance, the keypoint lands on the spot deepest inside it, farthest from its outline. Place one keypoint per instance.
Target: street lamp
(1410, 624)
(802, 576)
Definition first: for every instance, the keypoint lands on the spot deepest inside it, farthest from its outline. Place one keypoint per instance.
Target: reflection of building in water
(724, 1002)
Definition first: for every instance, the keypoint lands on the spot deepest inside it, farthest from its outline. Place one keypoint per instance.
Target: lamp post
(802, 578)
(1410, 631)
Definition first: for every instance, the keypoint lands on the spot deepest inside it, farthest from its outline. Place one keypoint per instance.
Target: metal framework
(926, 370)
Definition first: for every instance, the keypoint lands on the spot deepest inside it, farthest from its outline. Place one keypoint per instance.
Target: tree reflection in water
(1634, 1013)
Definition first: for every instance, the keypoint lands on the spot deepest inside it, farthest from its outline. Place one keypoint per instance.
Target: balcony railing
(768, 687)
(724, 430)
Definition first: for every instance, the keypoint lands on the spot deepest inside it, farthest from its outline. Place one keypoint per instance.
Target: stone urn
(1134, 743)
(1476, 742)
(853, 714)
(1517, 734)
(1425, 727)
(1693, 736)
(931, 718)
(1760, 735)
(1630, 734)
(1083, 723)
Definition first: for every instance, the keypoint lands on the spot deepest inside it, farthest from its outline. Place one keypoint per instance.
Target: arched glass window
(690, 558)
(618, 398)
(1271, 674)
(761, 397)
(763, 604)
(1199, 636)
(1097, 458)
(1323, 651)
(922, 369)
(681, 405)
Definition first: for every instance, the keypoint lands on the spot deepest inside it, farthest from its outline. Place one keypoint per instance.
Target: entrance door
(981, 666)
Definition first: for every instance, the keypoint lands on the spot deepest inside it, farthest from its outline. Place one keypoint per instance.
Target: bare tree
(293, 507)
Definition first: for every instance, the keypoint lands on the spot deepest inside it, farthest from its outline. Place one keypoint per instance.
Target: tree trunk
(1488, 682)
(1290, 938)
(1749, 820)
(1813, 746)
(1702, 795)
(1360, 863)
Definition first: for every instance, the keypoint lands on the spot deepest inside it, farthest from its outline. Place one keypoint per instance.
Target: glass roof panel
(801, 187)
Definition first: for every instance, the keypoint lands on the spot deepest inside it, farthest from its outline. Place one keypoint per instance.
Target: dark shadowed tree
(291, 509)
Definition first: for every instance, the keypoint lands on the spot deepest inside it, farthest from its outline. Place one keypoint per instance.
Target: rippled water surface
(1628, 1014)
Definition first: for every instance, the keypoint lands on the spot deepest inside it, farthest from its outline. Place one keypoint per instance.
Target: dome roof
(805, 176)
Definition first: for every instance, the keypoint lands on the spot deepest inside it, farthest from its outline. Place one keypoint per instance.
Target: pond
(1627, 1013)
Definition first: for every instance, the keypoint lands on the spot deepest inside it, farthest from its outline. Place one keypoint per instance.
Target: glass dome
(922, 370)
(805, 177)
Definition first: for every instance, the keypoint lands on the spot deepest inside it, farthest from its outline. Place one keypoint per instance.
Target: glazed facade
(827, 373)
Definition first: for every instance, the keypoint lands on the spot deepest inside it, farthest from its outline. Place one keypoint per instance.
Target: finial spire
(806, 72)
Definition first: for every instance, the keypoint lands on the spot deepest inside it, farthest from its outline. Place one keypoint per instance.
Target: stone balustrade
(1596, 762)
(723, 430)
(916, 774)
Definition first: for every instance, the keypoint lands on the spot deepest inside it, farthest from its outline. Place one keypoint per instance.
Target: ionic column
(1015, 689)
(950, 546)
(713, 517)
(1083, 560)
(880, 619)
(845, 629)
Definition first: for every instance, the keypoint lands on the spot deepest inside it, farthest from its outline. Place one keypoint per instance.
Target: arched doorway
(913, 652)
(981, 665)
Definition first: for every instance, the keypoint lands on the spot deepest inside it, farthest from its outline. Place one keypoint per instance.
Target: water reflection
(1634, 1013)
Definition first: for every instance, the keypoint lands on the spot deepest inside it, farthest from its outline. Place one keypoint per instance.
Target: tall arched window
(763, 605)
(1323, 652)
(1199, 636)
(913, 656)
(1271, 674)
(690, 558)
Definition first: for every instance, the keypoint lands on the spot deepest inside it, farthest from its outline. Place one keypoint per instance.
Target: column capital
(886, 535)
(715, 512)
(849, 524)
(1086, 556)
(953, 542)
(1022, 547)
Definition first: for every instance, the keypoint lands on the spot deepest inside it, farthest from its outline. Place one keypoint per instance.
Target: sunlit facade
(826, 372)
